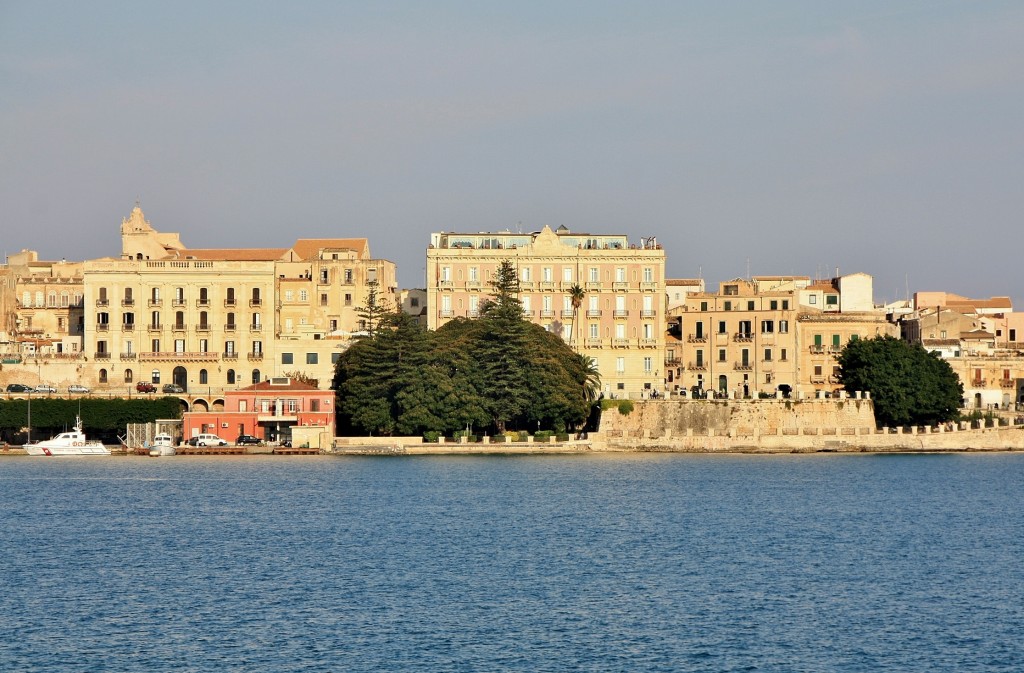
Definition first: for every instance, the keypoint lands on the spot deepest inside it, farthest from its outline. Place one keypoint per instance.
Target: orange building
(268, 410)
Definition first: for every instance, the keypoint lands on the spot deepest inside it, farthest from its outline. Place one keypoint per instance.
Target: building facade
(620, 322)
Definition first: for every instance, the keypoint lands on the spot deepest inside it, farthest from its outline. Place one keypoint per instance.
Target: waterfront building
(754, 337)
(982, 339)
(207, 320)
(619, 322)
(267, 410)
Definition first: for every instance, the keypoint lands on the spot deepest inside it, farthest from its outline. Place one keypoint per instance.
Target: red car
(145, 387)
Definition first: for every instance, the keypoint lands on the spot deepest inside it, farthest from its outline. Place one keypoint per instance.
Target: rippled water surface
(599, 563)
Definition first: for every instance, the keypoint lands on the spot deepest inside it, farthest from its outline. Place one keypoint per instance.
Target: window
(287, 358)
(594, 330)
(721, 327)
(314, 405)
(774, 304)
(179, 345)
(289, 295)
(323, 277)
(813, 299)
(767, 354)
(155, 346)
(323, 299)
(154, 376)
(648, 365)
(648, 274)
(128, 376)
(179, 294)
(703, 306)
(103, 376)
(620, 365)
(303, 295)
(783, 327)
(546, 274)
(594, 274)
(831, 300)
(526, 274)
(721, 355)
(312, 358)
(348, 299)
(835, 340)
(648, 330)
(347, 277)
(620, 331)
(204, 346)
(257, 348)
(231, 377)
(620, 274)
(782, 354)
(700, 357)
(817, 370)
(203, 377)
(750, 305)
(728, 306)
(767, 326)
(567, 274)
(785, 304)
(593, 305)
(526, 304)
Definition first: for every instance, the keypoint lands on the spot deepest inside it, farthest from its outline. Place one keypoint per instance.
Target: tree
(909, 385)
(576, 296)
(375, 310)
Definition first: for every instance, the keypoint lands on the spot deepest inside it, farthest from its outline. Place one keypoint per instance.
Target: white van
(207, 440)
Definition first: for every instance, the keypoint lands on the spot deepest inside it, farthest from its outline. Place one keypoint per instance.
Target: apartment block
(620, 324)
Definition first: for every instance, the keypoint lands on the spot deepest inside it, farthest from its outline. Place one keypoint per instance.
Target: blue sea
(562, 563)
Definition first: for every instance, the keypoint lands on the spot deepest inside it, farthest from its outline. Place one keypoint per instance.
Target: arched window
(255, 376)
(128, 376)
(155, 376)
(103, 376)
(51, 299)
(202, 377)
(231, 377)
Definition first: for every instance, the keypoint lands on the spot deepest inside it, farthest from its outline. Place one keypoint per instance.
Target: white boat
(71, 443)
(163, 445)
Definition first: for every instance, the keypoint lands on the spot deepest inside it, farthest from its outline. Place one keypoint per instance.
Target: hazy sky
(777, 137)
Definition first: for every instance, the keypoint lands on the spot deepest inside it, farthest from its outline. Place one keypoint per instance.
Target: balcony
(446, 313)
(102, 355)
(203, 327)
(230, 327)
(696, 339)
(648, 313)
(548, 285)
(621, 313)
(229, 302)
(620, 343)
(154, 327)
(230, 355)
(255, 357)
(256, 327)
(127, 327)
(473, 313)
(129, 356)
(445, 284)
(179, 356)
(594, 343)
(178, 301)
(102, 326)
(179, 327)
(648, 286)
(817, 350)
(593, 286)
(203, 303)
(155, 302)
(698, 366)
(526, 285)
(1008, 383)
(648, 343)
(127, 302)
(102, 302)
(817, 379)
(568, 313)
(255, 301)
(594, 313)
(671, 361)
(473, 284)
(547, 313)
(743, 367)
(743, 336)
(978, 383)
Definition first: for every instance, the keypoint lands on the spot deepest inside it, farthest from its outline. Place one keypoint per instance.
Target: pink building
(268, 410)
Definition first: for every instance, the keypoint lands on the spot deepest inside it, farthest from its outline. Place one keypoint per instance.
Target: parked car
(247, 439)
(78, 388)
(173, 388)
(18, 388)
(207, 440)
(44, 388)
(145, 387)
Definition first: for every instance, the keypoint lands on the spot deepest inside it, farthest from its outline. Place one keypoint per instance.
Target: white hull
(87, 449)
(71, 443)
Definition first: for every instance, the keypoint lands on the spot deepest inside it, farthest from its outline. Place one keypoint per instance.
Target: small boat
(163, 445)
(71, 443)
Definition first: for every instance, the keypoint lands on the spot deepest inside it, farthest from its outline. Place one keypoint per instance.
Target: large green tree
(909, 385)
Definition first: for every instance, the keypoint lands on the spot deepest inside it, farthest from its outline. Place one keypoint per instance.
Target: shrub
(431, 436)
(562, 437)
(542, 436)
(499, 439)
(625, 407)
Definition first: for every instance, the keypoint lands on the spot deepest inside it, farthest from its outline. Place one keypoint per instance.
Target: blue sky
(776, 137)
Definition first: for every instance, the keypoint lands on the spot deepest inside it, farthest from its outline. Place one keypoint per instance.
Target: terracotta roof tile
(307, 248)
(236, 254)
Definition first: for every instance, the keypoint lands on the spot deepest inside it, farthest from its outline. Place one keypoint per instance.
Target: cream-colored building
(215, 319)
(754, 336)
(620, 324)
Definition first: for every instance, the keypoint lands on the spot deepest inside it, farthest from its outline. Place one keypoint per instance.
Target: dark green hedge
(103, 419)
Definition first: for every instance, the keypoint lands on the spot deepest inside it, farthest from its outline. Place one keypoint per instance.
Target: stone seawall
(783, 426)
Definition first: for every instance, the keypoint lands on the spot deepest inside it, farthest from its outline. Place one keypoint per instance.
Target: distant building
(620, 324)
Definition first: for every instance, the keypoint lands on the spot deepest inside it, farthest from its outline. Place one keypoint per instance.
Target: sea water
(561, 563)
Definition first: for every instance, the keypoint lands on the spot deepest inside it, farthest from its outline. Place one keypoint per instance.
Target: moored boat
(73, 443)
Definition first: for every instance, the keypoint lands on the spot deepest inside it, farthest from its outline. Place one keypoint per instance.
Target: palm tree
(591, 377)
(576, 295)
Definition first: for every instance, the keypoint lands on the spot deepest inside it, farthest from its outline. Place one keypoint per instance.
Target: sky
(751, 138)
